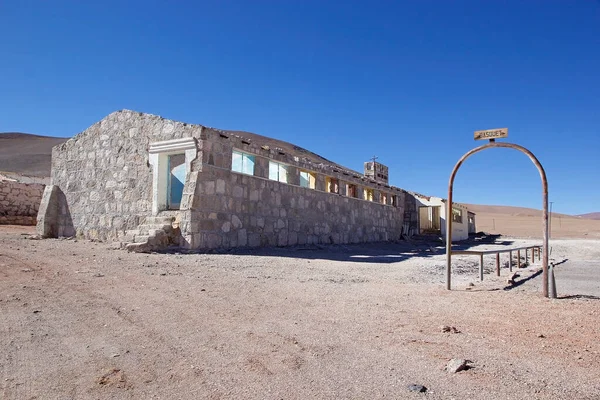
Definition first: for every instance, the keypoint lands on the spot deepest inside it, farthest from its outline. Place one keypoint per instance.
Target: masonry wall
(105, 176)
(102, 187)
(231, 209)
(19, 202)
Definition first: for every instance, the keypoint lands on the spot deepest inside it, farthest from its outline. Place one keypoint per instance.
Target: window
(242, 162)
(383, 197)
(368, 194)
(277, 172)
(332, 185)
(394, 200)
(307, 179)
(351, 190)
(457, 215)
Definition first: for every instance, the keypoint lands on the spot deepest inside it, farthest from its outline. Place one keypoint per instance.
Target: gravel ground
(82, 321)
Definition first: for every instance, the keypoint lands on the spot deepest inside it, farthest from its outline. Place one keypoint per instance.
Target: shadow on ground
(481, 238)
(579, 296)
(522, 281)
(378, 252)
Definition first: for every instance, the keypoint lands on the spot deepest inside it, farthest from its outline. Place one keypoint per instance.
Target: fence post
(481, 267)
(497, 264)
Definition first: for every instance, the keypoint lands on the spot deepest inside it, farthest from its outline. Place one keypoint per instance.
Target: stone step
(141, 238)
(137, 247)
(159, 220)
(127, 238)
(147, 227)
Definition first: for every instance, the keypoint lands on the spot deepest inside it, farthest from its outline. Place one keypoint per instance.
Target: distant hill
(27, 154)
(527, 222)
(594, 215)
(511, 210)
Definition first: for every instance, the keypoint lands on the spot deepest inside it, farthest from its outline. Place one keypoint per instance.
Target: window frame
(457, 215)
(245, 158)
(352, 190)
(311, 179)
(280, 168)
(383, 198)
(335, 182)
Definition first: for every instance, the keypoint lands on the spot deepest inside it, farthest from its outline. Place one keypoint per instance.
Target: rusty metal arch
(533, 158)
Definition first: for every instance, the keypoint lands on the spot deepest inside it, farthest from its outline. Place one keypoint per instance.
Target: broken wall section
(19, 202)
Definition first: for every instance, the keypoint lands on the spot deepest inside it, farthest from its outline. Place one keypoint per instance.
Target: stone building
(144, 180)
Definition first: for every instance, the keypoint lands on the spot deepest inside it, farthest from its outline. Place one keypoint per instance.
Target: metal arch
(544, 201)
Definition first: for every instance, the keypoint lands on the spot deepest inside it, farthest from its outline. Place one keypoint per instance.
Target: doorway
(176, 180)
(429, 219)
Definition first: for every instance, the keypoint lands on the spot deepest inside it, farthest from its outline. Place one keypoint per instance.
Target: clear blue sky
(406, 81)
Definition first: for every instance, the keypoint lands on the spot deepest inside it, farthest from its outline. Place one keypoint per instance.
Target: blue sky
(408, 82)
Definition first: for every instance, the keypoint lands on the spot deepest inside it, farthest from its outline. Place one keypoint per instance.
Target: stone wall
(230, 209)
(19, 202)
(105, 176)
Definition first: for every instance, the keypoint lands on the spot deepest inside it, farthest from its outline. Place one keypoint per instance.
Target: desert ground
(81, 320)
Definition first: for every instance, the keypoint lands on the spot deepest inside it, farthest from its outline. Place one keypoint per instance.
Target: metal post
(546, 247)
(497, 264)
(526, 255)
(552, 282)
(449, 239)
(481, 267)
(518, 258)
(510, 261)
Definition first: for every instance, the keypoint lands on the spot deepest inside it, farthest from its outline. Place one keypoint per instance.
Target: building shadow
(480, 238)
(375, 252)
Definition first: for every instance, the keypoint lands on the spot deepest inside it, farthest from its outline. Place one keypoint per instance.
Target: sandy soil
(81, 321)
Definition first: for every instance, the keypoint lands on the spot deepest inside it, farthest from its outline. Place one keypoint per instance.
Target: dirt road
(81, 321)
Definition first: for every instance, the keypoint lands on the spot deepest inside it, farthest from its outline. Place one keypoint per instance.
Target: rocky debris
(417, 388)
(114, 377)
(458, 364)
(449, 329)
